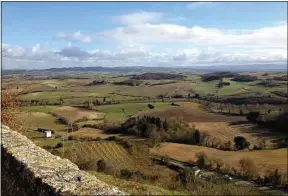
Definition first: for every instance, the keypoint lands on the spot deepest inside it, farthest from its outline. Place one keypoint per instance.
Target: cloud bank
(151, 39)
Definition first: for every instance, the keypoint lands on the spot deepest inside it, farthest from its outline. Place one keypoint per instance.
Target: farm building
(46, 132)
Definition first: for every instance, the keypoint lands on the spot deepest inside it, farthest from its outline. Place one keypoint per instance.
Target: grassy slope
(35, 120)
(136, 188)
(204, 188)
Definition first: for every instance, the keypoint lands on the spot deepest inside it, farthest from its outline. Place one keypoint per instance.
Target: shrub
(241, 143)
(101, 165)
(150, 106)
(253, 116)
(125, 173)
(165, 159)
(186, 177)
(202, 160)
(111, 138)
(222, 83)
(9, 102)
(227, 146)
(73, 127)
(248, 168)
(276, 177)
(177, 96)
(174, 104)
(256, 147)
(137, 175)
(59, 145)
(218, 163)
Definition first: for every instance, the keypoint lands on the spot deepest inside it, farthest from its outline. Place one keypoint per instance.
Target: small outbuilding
(48, 133)
(45, 132)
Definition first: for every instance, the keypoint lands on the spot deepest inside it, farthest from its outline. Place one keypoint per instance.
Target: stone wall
(27, 169)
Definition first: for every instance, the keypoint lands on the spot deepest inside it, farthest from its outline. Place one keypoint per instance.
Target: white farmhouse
(48, 133)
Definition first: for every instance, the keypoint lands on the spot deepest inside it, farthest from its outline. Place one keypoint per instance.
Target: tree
(158, 123)
(96, 102)
(241, 142)
(202, 160)
(263, 144)
(241, 112)
(252, 116)
(165, 125)
(196, 137)
(155, 136)
(276, 177)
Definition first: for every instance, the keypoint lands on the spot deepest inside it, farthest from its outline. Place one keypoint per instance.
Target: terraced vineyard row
(111, 152)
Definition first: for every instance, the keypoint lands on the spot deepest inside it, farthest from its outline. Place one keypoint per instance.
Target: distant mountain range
(214, 68)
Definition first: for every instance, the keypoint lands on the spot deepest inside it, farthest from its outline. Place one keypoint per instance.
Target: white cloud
(35, 48)
(270, 37)
(134, 55)
(139, 18)
(198, 4)
(76, 36)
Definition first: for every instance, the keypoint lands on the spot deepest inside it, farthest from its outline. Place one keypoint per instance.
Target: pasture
(122, 111)
(74, 114)
(190, 112)
(263, 159)
(35, 120)
(222, 132)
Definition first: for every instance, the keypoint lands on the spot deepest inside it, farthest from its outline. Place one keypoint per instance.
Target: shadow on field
(256, 131)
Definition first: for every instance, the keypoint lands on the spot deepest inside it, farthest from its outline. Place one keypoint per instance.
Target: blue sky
(59, 34)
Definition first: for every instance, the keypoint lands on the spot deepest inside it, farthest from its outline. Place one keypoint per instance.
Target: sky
(40, 35)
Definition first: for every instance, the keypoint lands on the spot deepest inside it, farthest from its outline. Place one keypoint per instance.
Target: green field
(35, 120)
(115, 112)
